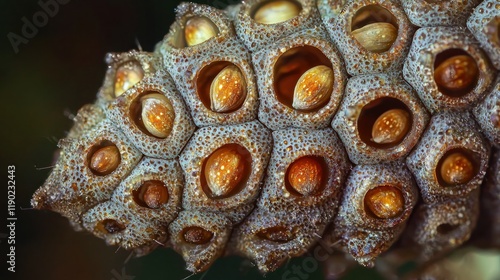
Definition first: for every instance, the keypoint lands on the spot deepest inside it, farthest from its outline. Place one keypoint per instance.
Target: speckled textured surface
(264, 220)
(419, 66)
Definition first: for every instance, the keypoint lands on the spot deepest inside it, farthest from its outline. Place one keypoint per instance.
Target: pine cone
(260, 129)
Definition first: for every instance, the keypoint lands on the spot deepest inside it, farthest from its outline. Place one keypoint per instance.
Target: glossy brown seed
(456, 74)
(197, 235)
(456, 169)
(376, 37)
(391, 127)
(276, 12)
(384, 202)
(105, 160)
(228, 90)
(305, 175)
(127, 75)
(153, 194)
(313, 89)
(224, 170)
(157, 114)
(199, 30)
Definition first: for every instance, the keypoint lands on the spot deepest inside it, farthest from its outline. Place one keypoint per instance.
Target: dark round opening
(280, 234)
(371, 112)
(290, 66)
(446, 228)
(455, 72)
(470, 156)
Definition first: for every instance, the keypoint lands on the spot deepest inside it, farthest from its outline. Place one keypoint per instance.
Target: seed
(385, 202)
(456, 74)
(127, 75)
(199, 30)
(391, 127)
(224, 170)
(276, 12)
(153, 194)
(376, 37)
(313, 89)
(105, 160)
(228, 90)
(305, 175)
(197, 235)
(456, 169)
(157, 114)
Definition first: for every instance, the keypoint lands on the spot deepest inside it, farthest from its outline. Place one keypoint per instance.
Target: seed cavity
(303, 78)
(384, 122)
(276, 11)
(225, 171)
(455, 73)
(109, 226)
(199, 29)
(127, 75)
(446, 228)
(151, 194)
(384, 202)
(306, 175)
(104, 159)
(197, 235)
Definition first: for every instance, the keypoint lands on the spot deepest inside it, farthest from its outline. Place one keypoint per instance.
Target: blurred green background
(50, 77)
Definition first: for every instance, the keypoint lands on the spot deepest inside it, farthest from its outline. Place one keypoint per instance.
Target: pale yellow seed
(157, 114)
(228, 90)
(391, 127)
(376, 37)
(199, 30)
(313, 89)
(127, 75)
(276, 12)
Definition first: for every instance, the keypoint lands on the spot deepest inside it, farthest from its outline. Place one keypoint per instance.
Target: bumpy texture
(265, 179)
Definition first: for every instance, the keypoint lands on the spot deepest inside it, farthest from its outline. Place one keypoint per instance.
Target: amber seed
(276, 12)
(127, 75)
(153, 194)
(224, 170)
(456, 74)
(384, 202)
(197, 235)
(376, 37)
(457, 169)
(391, 127)
(228, 90)
(305, 175)
(313, 89)
(199, 30)
(105, 160)
(157, 114)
